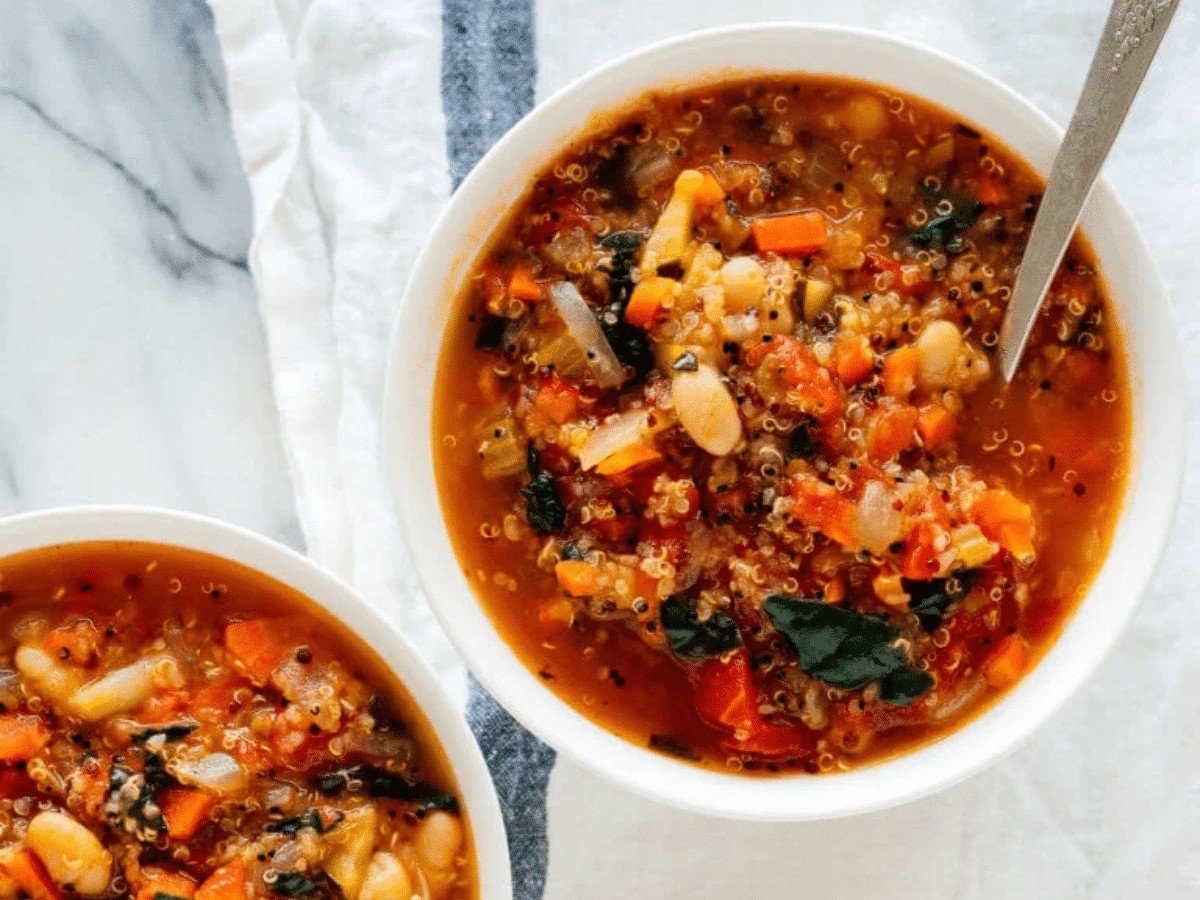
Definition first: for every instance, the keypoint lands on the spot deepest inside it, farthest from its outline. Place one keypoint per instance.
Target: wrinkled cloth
(355, 118)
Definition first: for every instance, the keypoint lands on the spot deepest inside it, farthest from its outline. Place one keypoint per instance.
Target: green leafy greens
(692, 639)
(930, 599)
(846, 649)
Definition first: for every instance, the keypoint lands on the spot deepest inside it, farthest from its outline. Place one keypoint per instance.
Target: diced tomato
(821, 506)
(853, 362)
(22, 737)
(798, 368)
(557, 399)
(672, 539)
(726, 697)
(620, 529)
(15, 782)
(164, 706)
(907, 280)
(159, 880)
(920, 561)
(76, 641)
(226, 883)
(262, 645)
(891, 431)
(561, 216)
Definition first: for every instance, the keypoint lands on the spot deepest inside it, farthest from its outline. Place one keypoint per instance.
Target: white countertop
(132, 365)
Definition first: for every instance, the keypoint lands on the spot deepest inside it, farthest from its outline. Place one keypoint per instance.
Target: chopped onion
(650, 167)
(621, 432)
(964, 695)
(216, 772)
(878, 523)
(582, 326)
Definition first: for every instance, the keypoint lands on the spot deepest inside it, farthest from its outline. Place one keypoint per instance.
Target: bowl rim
(1077, 653)
(189, 531)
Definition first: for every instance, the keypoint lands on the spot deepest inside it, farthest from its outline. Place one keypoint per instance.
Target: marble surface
(132, 361)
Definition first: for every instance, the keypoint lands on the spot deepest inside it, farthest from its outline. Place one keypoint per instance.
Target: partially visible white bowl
(498, 182)
(176, 529)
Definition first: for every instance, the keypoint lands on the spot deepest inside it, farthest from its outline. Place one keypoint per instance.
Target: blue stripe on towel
(488, 72)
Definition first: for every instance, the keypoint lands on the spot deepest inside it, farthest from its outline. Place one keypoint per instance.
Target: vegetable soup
(176, 725)
(721, 441)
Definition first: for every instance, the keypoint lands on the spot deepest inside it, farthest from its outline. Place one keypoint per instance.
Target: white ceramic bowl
(102, 523)
(500, 179)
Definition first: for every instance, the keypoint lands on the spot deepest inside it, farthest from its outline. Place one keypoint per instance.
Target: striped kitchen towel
(355, 120)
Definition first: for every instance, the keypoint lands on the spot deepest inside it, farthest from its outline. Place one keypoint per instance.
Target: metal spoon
(1130, 39)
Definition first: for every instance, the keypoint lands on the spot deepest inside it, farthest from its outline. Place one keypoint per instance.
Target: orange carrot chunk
(853, 360)
(891, 432)
(796, 234)
(185, 810)
(900, 372)
(1007, 521)
(936, 425)
(708, 194)
(626, 458)
(1008, 662)
(523, 286)
(21, 737)
(576, 577)
(31, 876)
(226, 883)
(648, 300)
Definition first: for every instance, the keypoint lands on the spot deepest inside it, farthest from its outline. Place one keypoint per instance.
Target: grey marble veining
(132, 363)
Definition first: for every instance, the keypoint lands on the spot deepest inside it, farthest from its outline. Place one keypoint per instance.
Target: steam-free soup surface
(174, 725)
(721, 442)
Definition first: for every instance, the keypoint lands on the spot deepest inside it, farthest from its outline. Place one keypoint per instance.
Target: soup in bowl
(718, 436)
(180, 718)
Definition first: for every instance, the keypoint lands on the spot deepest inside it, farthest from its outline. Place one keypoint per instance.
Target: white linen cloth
(337, 112)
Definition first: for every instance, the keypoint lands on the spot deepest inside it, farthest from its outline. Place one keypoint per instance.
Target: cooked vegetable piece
(694, 639)
(794, 234)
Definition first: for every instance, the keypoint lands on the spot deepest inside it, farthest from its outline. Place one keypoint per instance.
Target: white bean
(866, 116)
(745, 283)
(940, 346)
(119, 691)
(70, 852)
(387, 879)
(51, 679)
(707, 410)
(439, 841)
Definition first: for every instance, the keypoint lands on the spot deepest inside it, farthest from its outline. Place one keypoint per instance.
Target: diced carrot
(1006, 520)
(936, 425)
(557, 399)
(31, 876)
(260, 644)
(626, 458)
(226, 883)
(648, 300)
(21, 737)
(891, 431)
(157, 880)
(185, 810)
(1007, 663)
(796, 234)
(987, 191)
(576, 577)
(708, 194)
(853, 360)
(823, 507)
(900, 372)
(75, 641)
(524, 286)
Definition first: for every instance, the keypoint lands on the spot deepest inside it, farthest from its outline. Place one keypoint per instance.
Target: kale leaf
(846, 649)
(490, 335)
(543, 509)
(930, 599)
(692, 639)
(380, 783)
(176, 731)
(945, 232)
(311, 819)
(630, 343)
(292, 884)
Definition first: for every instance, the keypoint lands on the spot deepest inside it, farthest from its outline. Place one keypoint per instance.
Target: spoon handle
(1130, 39)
